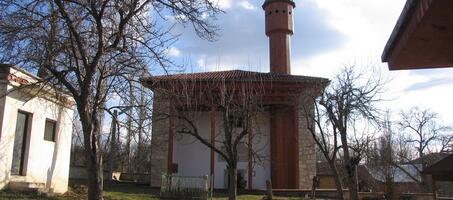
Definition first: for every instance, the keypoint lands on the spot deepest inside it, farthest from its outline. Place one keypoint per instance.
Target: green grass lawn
(111, 192)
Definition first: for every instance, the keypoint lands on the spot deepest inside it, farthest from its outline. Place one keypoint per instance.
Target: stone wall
(159, 139)
(307, 146)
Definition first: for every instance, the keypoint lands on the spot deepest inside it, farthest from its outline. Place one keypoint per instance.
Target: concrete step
(24, 186)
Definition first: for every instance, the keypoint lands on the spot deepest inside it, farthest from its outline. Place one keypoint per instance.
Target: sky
(329, 34)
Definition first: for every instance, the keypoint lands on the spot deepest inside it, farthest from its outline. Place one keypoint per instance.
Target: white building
(35, 137)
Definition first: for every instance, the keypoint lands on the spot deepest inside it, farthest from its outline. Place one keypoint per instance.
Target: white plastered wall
(193, 158)
(46, 162)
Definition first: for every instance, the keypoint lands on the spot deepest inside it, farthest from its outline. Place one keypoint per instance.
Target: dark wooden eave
(441, 170)
(272, 83)
(422, 37)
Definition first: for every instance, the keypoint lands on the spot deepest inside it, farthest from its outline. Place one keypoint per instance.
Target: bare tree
(114, 142)
(89, 47)
(381, 158)
(351, 97)
(446, 143)
(326, 138)
(237, 102)
(142, 116)
(404, 155)
(133, 100)
(424, 131)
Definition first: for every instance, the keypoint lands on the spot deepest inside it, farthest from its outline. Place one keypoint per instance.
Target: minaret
(279, 28)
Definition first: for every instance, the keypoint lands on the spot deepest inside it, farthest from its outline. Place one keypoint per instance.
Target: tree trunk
(389, 181)
(352, 183)
(389, 189)
(350, 168)
(338, 184)
(91, 126)
(94, 166)
(425, 183)
(232, 177)
(95, 178)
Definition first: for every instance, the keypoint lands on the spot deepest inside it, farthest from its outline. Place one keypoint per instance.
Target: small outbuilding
(442, 172)
(35, 133)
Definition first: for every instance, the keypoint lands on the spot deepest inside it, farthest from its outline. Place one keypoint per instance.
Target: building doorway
(240, 178)
(20, 143)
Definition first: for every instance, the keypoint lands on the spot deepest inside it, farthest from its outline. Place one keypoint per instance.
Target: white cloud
(247, 5)
(436, 98)
(224, 4)
(215, 63)
(329, 34)
(367, 25)
(173, 51)
(201, 62)
(227, 4)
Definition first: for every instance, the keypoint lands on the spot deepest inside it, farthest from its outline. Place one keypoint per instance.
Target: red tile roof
(235, 75)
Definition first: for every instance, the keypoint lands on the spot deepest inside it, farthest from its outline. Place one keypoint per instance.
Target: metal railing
(186, 187)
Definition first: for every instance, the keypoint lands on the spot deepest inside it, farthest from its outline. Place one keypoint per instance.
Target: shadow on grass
(118, 191)
(131, 188)
(11, 195)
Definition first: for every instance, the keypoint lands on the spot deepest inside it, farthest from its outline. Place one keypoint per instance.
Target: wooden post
(170, 147)
(295, 153)
(213, 124)
(250, 158)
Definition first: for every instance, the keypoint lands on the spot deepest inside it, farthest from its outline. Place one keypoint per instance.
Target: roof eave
(400, 26)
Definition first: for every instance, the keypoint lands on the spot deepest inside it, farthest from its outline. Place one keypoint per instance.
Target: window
(174, 168)
(49, 130)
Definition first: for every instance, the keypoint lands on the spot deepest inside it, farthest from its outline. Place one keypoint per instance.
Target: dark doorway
(20, 142)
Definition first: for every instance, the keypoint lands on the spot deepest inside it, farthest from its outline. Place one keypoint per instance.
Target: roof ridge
(236, 75)
(234, 70)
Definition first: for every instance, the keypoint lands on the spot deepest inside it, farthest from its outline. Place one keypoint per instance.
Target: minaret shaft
(280, 53)
(279, 28)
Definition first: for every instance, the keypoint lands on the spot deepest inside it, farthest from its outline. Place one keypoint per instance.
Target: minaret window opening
(276, 11)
